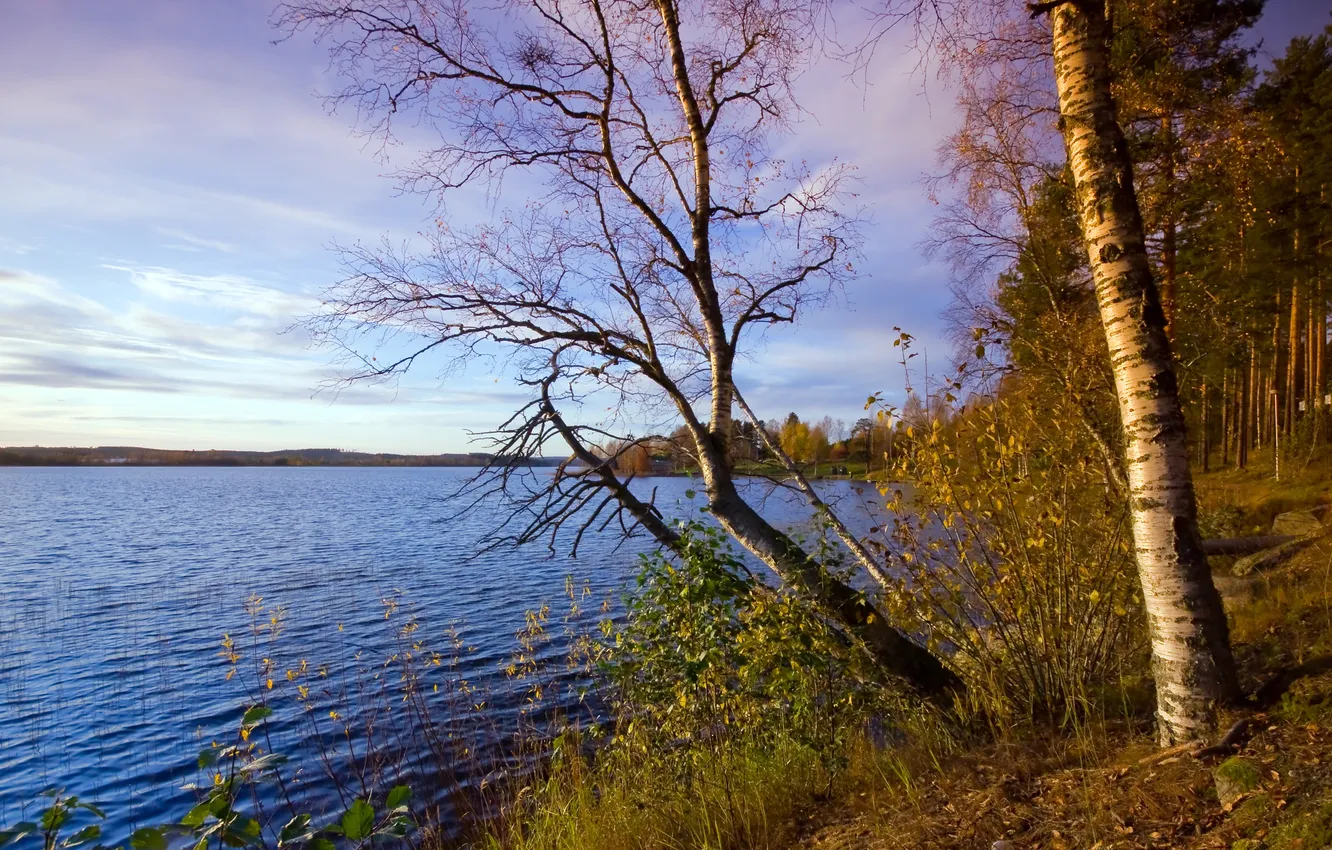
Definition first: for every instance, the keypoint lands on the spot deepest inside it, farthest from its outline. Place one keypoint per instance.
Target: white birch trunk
(1191, 657)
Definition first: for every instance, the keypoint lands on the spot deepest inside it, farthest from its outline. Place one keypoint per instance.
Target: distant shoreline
(113, 456)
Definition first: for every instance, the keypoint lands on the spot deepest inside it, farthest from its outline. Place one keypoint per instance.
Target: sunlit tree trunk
(1250, 433)
(1311, 347)
(1320, 329)
(1320, 318)
(1191, 656)
(1273, 405)
(1250, 413)
(1227, 420)
(1206, 430)
(1293, 357)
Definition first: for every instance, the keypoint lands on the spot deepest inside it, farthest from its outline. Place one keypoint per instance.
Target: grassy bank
(1099, 782)
(1095, 780)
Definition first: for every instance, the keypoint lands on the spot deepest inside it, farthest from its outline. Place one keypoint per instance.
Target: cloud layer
(172, 188)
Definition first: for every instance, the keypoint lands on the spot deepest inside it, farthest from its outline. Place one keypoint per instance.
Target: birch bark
(1191, 657)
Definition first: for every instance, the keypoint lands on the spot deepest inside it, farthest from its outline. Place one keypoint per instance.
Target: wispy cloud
(221, 291)
(198, 241)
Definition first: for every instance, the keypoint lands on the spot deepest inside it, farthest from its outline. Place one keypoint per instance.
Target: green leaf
(398, 827)
(297, 829)
(53, 817)
(207, 758)
(196, 816)
(218, 802)
(358, 821)
(254, 714)
(242, 833)
(319, 844)
(148, 838)
(398, 796)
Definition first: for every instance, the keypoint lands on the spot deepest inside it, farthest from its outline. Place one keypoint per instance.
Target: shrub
(1015, 555)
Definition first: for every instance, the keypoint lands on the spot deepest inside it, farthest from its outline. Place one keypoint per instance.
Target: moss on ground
(1235, 777)
(1305, 828)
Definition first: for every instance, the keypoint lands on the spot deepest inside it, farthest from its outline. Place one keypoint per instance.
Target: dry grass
(1106, 786)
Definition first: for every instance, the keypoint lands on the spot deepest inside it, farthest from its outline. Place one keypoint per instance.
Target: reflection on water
(116, 586)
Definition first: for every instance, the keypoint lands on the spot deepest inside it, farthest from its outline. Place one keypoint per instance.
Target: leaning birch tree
(1191, 657)
(659, 236)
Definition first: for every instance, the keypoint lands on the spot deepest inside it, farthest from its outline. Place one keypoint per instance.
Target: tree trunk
(1245, 393)
(1320, 319)
(1274, 377)
(1309, 348)
(1227, 419)
(1320, 341)
(1293, 357)
(1206, 430)
(893, 650)
(1191, 656)
(1252, 399)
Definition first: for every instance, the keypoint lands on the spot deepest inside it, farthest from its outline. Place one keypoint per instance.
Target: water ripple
(116, 586)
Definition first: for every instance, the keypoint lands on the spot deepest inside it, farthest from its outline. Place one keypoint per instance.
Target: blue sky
(172, 186)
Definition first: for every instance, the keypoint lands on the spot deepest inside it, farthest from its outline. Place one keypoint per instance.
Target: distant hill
(136, 456)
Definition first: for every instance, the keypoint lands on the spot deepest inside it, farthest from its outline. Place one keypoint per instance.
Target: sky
(172, 188)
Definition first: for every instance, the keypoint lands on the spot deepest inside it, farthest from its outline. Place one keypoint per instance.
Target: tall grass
(746, 794)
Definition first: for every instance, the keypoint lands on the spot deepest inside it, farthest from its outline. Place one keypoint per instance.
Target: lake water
(117, 585)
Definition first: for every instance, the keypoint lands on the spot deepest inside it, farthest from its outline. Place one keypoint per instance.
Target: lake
(118, 584)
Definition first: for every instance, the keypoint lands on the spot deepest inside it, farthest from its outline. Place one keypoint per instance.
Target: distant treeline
(134, 456)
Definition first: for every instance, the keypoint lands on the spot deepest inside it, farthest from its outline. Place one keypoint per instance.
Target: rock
(1234, 778)
(1299, 523)
(1003, 845)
